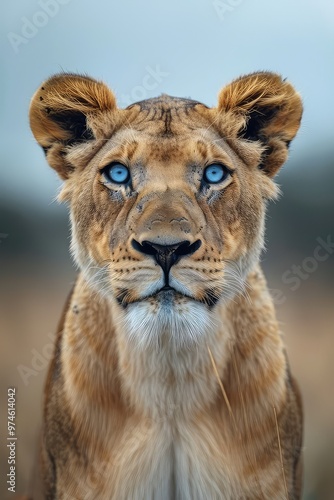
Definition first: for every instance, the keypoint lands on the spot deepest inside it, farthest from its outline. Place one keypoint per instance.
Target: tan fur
(169, 394)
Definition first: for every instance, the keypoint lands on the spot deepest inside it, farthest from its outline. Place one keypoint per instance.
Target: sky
(186, 48)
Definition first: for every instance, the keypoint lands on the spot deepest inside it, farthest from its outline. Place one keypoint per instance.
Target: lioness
(169, 378)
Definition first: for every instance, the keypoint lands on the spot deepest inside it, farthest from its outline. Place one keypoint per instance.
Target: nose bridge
(165, 217)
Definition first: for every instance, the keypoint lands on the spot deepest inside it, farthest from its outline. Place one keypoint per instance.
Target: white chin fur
(179, 325)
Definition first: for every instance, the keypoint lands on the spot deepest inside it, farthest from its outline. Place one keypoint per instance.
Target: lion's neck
(166, 382)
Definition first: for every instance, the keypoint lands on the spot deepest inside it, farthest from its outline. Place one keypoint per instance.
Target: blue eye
(215, 173)
(117, 173)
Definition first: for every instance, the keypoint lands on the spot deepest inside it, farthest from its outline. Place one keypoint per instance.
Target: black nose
(167, 255)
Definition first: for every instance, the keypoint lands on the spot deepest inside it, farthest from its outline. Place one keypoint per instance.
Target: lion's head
(167, 196)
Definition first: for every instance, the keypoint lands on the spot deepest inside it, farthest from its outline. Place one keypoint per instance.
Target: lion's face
(167, 205)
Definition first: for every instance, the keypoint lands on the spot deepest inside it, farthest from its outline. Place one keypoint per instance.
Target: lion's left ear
(263, 107)
(69, 109)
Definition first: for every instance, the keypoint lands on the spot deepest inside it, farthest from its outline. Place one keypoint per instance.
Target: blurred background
(189, 49)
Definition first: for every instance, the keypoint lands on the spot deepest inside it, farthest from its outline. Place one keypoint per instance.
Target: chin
(167, 319)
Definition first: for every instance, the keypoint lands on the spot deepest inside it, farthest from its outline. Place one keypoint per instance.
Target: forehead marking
(164, 109)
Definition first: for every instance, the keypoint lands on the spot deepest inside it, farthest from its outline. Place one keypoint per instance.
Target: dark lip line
(166, 288)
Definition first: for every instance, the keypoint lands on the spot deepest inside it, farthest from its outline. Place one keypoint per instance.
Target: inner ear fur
(68, 109)
(262, 107)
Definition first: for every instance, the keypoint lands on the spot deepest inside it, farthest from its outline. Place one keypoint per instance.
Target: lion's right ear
(65, 110)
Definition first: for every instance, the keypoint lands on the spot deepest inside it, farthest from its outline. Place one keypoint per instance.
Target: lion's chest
(171, 461)
(166, 443)
(171, 458)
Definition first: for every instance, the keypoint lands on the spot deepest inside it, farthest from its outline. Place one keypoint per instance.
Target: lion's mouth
(167, 295)
(209, 298)
(166, 288)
